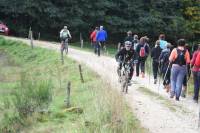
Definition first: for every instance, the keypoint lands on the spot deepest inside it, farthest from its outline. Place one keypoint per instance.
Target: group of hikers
(98, 38)
(173, 63)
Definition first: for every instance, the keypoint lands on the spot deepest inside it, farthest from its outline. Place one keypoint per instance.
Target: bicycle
(124, 76)
(64, 47)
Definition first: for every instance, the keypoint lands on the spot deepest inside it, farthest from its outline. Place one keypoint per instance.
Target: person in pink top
(195, 63)
(179, 58)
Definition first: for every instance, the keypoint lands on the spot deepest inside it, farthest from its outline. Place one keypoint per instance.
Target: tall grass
(104, 110)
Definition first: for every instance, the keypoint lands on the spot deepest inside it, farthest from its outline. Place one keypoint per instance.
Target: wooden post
(68, 94)
(81, 40)
(30, 36)
(31, 39)
(39, 36)
(81, 75)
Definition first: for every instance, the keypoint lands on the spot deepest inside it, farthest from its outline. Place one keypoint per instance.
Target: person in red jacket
(94, 41)
(195, 62)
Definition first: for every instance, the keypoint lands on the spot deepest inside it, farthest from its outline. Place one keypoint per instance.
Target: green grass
(104, 110)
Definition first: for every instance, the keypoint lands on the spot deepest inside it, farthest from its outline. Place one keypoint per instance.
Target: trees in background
(176, 18)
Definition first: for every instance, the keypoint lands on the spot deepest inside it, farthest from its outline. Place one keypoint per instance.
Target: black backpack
(180, 60)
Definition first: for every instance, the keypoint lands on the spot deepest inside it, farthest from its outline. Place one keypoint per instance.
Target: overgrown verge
(35, 102)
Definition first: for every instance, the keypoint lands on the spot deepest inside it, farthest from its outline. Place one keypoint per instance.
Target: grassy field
(33, 91)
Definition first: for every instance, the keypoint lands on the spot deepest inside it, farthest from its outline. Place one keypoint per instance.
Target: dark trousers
(96, 48)
(196, 76)
(140, 65)
(155, 65)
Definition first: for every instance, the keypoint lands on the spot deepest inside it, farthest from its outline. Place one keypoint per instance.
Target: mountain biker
(155, 54)
(142, 51)
(125, 55)
(101, 37)
(180, 58)
(65, 35)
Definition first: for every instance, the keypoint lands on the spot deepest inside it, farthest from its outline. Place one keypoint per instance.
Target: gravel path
(154, 116)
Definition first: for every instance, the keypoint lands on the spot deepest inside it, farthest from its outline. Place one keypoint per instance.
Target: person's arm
(69, 34)
(152, 52)
(187, 57)
(92, 35)
(173, 55)
(61, 33)
(193, 58)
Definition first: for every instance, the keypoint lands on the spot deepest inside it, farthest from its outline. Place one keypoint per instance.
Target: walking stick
(166, 71)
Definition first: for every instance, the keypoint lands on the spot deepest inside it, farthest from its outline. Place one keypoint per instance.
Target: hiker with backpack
(135, 41)
(165, 66)
(155, 54)
(94, 41)
(129, 37)
(163, 43)
(179, 58)
(142, 51)
(195, 63)
(187, 76)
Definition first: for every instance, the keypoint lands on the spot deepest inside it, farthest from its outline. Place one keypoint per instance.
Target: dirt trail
(154, 116)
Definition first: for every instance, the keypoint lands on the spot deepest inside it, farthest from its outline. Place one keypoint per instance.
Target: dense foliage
(176, 18)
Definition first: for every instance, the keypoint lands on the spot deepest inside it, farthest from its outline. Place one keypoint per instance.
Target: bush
(32, 96)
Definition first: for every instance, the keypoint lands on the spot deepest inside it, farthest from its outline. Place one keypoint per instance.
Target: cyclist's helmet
(128, 45)
(65, 27)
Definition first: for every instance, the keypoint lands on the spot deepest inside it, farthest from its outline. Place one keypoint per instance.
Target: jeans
(155, 65)
(177, 76)
(196, 84)
(140, 65)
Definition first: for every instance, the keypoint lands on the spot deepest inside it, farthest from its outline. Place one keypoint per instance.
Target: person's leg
(143, 67)
(138, 68)
(196, 86)
(173, 79)
(95, 47)
(131, 73)
(180, 77)
(184, 86)
(167, 80)
(98, 49)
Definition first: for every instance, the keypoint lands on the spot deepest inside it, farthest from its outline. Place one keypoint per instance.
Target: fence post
(81, 40)
(39, 36)
(30, 36)
(68, 94)
(81, 74)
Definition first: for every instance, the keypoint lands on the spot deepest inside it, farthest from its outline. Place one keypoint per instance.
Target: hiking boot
(129, 83)
(171, 95)
(142, 74)
(183, 92)
(177, 99)
(155, 81)
(167, 88)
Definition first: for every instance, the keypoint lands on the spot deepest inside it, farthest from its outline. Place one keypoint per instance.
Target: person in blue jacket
(101, 37)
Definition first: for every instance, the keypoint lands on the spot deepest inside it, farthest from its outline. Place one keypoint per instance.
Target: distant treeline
(175, 18)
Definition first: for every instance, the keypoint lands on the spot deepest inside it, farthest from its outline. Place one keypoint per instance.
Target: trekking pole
(166, 72)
